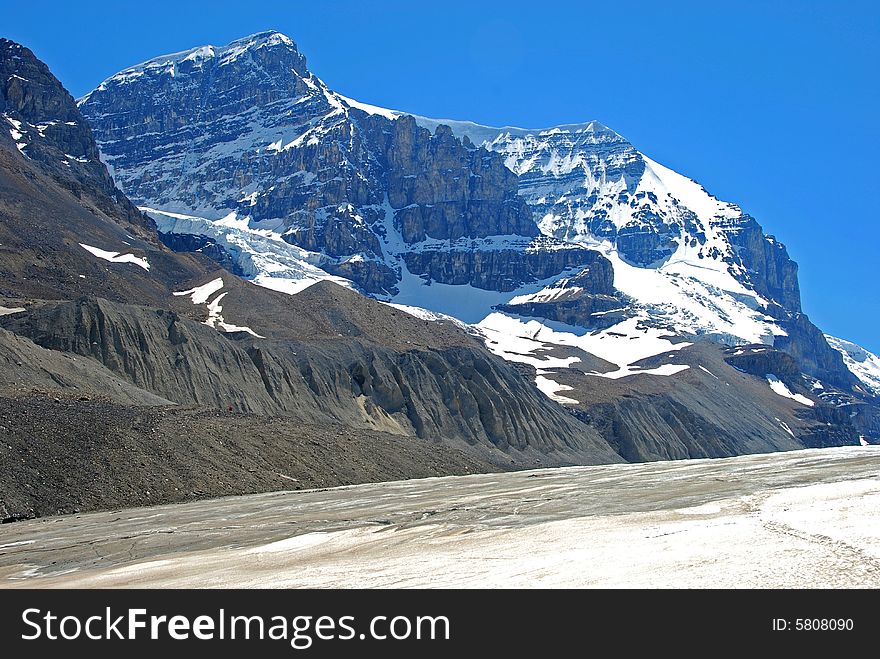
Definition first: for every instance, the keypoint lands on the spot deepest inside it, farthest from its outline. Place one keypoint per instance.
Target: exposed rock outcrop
(444, 190)
(248, 129)
(587, 299)
(806, 343)
(773, 273)
(56, 195)
(52, 132)
(496, 270)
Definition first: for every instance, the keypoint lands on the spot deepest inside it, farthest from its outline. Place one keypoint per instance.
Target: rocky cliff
(58, 201)
(246, 131)
(45, 124)
(585, 183)
(389, 201)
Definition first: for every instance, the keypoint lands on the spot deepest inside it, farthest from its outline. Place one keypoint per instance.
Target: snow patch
(705, 370)
(369, 109)
(664, 370)
(426, 314)
(550, 389)
(8, 311)
(16, 133)
(623, 344)
(201, 294)
(778, 386)
(116, 257)
(784, 426)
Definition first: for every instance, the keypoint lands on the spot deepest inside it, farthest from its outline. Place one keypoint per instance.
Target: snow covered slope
(683, 260)
(865, 365)
(589, 185)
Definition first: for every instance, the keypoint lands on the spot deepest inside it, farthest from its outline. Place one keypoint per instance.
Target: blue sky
(772, 105)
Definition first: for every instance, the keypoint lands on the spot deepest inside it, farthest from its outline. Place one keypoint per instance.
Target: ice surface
(810, 516)
(263, 255)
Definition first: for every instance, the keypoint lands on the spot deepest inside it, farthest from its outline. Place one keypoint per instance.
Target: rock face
(862, 363)
(503, 269)
(806, 343)
(247, 129)
(46, 125)
(446, 191)
(56, 195)
(587, 299)
(763, 361)
(774, 274)
(578, 161)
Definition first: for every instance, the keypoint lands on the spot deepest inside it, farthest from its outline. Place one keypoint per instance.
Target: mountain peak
(200, 56)
(480, 134)
(265, 38)
(40, 116)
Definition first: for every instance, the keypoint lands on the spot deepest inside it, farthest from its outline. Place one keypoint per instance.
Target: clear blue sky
(772, 105)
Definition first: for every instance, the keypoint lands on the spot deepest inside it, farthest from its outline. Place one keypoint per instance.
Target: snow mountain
(110, 343)
(493, 344)
(564, 248)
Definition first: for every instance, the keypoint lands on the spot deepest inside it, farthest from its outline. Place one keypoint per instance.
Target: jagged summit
(192, 59)
(65, 229)
(227, 53)
(479, 133)
(264, 38)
